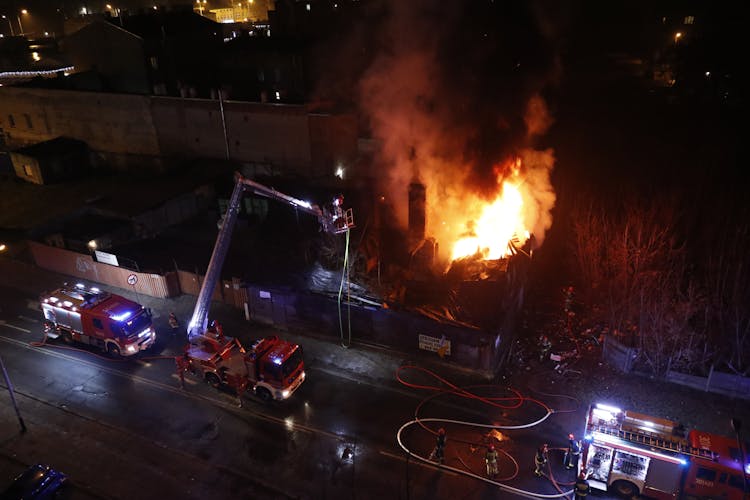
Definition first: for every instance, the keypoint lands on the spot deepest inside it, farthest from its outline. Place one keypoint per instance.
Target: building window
(307, 7)
(27, 171)
(261, 75)
(689, 20)
(11, 121)
(29, 125)
(154, 62)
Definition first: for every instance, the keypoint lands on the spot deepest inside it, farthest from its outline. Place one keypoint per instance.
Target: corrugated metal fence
(85, 267)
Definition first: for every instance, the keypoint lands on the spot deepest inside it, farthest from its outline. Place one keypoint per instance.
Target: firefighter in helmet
(491, 459)
(581, 488)
(572, 453)
(439, 453)
(540, 460)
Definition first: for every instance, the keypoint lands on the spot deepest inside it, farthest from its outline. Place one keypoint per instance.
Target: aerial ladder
(333, 218)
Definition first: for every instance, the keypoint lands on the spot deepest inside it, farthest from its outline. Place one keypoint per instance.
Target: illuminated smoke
(453, 92)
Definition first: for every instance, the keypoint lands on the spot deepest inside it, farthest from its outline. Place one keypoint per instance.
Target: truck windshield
(292, 362)
(137, 324)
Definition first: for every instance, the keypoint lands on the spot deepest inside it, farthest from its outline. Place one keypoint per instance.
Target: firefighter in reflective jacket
(491, 458)
(439, 452)
(571, 455)
(581, 487)
(540, 460)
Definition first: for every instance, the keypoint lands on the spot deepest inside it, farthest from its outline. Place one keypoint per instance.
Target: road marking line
(3, 323)
(26, 318)
(176, 390)
(187, 379)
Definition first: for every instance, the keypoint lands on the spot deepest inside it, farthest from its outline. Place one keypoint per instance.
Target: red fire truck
(271, 367)
(113, 323)
(631, 454)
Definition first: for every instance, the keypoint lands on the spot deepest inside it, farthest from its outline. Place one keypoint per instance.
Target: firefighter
(546, 346)
(491, 459)
(581, 488)
(218, 330)
(574, 450)
(174, 324)
(439, 453)
(540, 459)
(183, 364)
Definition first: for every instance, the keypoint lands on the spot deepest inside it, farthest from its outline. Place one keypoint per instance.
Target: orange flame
(500, 222)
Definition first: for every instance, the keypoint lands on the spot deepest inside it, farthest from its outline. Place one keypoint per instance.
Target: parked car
(37, 482)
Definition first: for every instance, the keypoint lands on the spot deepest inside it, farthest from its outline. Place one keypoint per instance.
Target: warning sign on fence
(441, 345)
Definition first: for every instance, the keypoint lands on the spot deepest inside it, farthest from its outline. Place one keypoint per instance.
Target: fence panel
(85, 267)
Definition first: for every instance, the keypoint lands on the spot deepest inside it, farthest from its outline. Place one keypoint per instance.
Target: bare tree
(728, 286)
(634, 267)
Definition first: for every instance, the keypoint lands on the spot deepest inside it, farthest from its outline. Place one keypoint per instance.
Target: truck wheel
(66, 337)
(213, 380)
(113, 350)
(264, 394)
(625, 489)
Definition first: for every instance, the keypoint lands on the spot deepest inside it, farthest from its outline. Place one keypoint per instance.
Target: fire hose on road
(506, 403)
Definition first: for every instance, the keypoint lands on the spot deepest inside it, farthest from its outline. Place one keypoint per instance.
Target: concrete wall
(117, 127)
(131, 130)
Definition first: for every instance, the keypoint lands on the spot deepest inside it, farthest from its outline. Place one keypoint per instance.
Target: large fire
(494, 224)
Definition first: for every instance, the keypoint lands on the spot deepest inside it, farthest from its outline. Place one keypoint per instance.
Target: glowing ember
(500, 222)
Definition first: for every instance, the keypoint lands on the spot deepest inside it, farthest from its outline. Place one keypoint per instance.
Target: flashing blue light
(122, 317)
(277, 361)
(588, 437)
(683, 461)
(747, 468)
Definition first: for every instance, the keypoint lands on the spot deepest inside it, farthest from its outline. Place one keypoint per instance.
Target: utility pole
(12, 395)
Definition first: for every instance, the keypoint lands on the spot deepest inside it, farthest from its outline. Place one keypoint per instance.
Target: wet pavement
(57, 435)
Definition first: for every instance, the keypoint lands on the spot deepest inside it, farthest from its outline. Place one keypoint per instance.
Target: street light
(10, 25)
(18, 16)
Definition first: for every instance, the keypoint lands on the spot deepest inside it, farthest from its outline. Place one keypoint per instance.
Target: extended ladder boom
(336, 220)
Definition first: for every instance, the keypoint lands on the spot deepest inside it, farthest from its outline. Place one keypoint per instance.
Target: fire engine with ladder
(271, 367)
(634, 454)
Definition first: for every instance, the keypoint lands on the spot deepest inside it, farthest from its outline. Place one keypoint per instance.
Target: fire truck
(633, 454)
(272, 368)
(91, 316)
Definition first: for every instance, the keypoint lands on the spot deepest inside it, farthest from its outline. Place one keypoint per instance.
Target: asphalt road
(123, 429)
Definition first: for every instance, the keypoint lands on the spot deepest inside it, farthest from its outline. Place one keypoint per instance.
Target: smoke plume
(455, 90)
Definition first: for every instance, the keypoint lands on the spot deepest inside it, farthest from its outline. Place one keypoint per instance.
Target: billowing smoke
(453, 92)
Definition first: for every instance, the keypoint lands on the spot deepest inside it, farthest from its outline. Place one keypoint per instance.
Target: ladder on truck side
(657, 442)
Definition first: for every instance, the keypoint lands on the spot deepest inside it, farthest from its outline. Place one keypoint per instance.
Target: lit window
(307, 7)
(27, 171)
(278, 95)
(154, 62)
(688, 20)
